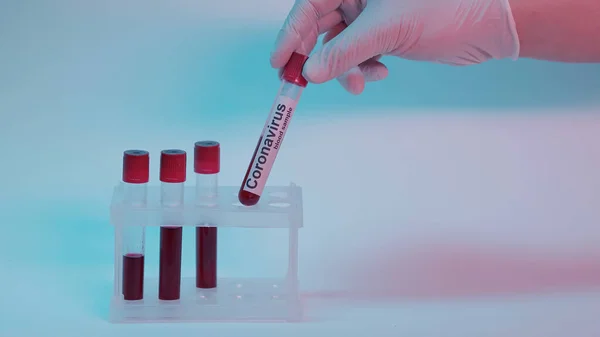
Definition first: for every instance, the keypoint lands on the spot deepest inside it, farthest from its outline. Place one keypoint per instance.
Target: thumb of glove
(360, 41)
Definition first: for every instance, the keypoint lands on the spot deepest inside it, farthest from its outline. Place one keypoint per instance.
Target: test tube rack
(256, 299)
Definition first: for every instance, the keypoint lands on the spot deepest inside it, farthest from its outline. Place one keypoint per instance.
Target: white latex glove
(455, 32)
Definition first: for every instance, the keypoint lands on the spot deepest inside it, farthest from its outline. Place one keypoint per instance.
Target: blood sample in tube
(271, 138)
(136, 169)
(207, 165)
(172, 177)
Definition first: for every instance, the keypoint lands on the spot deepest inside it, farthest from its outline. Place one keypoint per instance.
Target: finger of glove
(352, 46)
(353, 81)
(325, 24)
(373, 70)
(302, 21)
(329, 21)
(334, 31)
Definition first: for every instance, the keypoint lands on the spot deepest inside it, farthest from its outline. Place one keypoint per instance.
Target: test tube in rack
(207, 165)
(136, 172)
(172, 177)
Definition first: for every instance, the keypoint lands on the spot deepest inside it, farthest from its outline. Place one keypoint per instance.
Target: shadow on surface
(433, 271)
(454, 271)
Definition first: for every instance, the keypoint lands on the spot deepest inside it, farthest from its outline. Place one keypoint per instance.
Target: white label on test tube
(270, 142)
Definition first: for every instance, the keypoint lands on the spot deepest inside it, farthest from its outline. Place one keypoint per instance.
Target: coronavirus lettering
(269, 144)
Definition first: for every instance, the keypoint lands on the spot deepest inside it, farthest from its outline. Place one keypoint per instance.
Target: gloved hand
(359, 32)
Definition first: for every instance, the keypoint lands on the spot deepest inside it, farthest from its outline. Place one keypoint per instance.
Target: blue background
(436, 183)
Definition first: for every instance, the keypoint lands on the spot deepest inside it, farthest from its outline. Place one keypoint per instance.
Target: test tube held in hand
(207, 165)
(271, 138)
(172, 177)
(136, 172)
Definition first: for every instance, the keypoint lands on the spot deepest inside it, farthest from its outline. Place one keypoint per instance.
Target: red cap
(172, 166)
(207, 157)
(292, 72)
(136, 166)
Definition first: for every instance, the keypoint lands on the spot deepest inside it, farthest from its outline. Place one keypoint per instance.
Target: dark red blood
(169, 277)
(206, 257)
(248, 198)
(133, 277)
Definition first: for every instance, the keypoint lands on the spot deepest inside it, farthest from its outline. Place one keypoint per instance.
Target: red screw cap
(173, 166)
(292, 72)
(136, 166)
(207, 157)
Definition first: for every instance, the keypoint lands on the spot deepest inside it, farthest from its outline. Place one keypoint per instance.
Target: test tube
(136, 169)
(172, 177)
(207, 165)
(274, 130)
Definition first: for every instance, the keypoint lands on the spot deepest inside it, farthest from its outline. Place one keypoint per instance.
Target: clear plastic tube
(171, 237)
(207, 187)
(134, 236)
(207, 168)
(135, 179)
(171, 194)
(172, 177)
(206, 234)
(273, 133)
